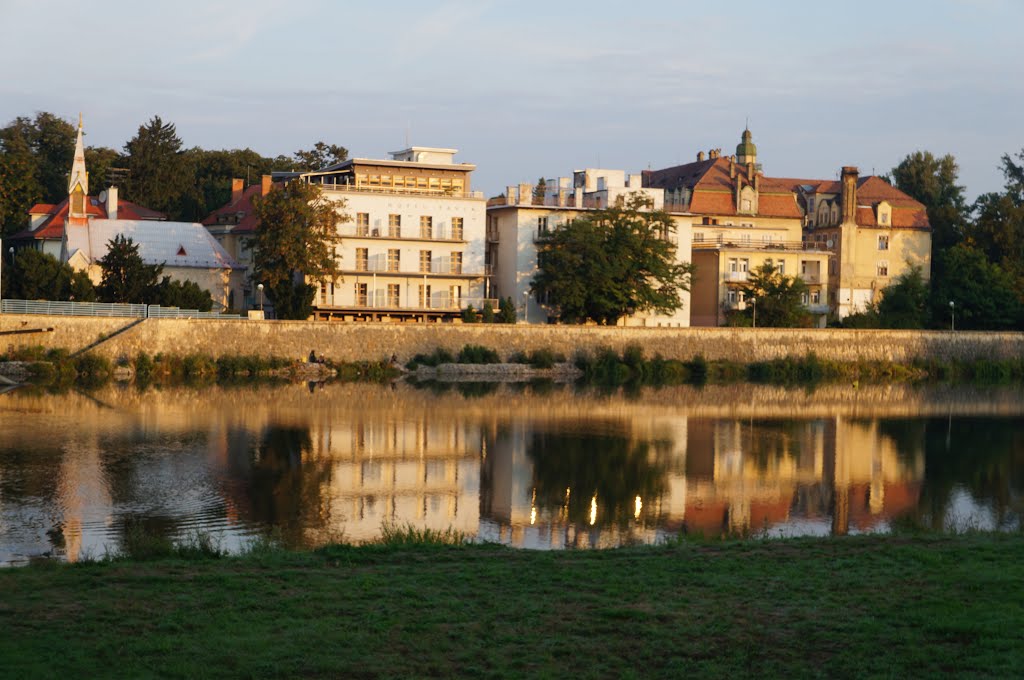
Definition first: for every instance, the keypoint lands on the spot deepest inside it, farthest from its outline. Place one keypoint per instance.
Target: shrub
(478, 354)
(545, 358)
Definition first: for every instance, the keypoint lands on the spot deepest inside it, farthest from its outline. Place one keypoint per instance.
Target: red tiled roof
(52, 228)
(246, 222)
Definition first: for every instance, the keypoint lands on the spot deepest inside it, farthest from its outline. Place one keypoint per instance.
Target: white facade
(516, 223)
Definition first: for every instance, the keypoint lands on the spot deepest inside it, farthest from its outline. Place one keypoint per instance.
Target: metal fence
(58, 308)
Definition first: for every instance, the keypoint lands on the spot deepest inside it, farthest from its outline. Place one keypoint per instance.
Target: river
(539, 466)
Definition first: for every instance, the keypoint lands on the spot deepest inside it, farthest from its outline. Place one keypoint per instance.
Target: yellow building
(741, 220)
(876, 231)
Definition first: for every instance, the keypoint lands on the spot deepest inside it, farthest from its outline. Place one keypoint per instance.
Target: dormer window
(181, 251)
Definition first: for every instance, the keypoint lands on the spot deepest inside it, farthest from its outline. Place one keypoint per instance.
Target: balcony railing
(405, 191)
(724, 243)
(735, 277)
(437, 233)
(437, 302)
(437, 268)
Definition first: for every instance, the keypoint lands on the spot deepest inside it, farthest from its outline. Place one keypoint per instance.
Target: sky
(529, 89)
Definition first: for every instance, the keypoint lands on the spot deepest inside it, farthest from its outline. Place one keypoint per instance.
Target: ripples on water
(536, 467)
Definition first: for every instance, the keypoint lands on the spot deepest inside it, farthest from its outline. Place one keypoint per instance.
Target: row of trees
(33, 275)
(154, 168)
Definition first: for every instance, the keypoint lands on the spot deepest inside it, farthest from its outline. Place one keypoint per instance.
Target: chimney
(849, 194)
(700, 156)
(732, 169)
(265, 184)
(237, 187)
(111, 203)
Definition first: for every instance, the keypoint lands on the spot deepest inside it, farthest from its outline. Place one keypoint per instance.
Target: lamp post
(1, 276)
(259, 288)
(526, 306)
(952, 316)
(753, 301)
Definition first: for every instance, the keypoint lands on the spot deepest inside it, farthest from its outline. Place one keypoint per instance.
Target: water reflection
(544, 469)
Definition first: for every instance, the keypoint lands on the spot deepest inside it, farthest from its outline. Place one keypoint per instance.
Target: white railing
(735, 277)
(440, 301)
(437, 233)
(432, 193)
(136, 311)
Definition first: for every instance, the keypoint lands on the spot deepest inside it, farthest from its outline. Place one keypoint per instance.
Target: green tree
(777, 298)
(611, 263)
(320, 156)
(105, 166)
(19, 187)
(35, 275)
(157, 173)
(933, 182)
(904, 302)
(55, 149)
(126, 278)
(984, 296)
(539, 190)
(487, 312)
(183, 294)
(506, 310)
(294, 245)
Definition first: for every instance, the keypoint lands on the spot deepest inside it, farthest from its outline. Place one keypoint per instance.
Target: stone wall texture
(373, 341)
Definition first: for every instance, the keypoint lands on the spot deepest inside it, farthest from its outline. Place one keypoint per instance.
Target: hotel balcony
(722, 244)
(735, 277)
(414, 233)
(404, 191)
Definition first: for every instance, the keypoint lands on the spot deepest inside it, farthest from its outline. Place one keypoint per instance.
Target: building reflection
(680, 475)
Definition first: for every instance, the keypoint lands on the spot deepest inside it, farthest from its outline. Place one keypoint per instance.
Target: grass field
(875, 606)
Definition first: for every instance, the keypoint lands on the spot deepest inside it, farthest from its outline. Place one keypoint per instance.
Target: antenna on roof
(408, 133)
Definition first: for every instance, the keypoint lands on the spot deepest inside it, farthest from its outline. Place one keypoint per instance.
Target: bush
(477, 354)
(698, 369)
(487, 312)
(439, 356)
(544, 358)
(469, 315)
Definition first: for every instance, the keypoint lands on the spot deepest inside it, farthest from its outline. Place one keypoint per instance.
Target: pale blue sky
(526, 89)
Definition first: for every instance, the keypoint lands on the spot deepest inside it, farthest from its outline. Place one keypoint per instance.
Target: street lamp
(259, 287)
(526, 306)
(753, 301)
(952, 316)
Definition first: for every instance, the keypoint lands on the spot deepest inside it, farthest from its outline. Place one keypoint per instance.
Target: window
(745, 205)
(426, 226)
(815, 297)
(730, 296)
(424, 260)
(831, 265)
(455, 295)
(698, 237)
(745, 239)
(744, 264)
(883, 268)
(424, 296)
(395, 226)
(394, 259)
(805, 298)
(780, 267)
(323, 292)
(734, 265)
(393, 295)
(362, 224)
(362, 259)
(542, 226)
(360, 294)
(883, 242)
(457, 228)
(456, 263)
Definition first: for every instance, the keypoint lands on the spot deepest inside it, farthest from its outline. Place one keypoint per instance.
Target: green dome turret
(746, 151)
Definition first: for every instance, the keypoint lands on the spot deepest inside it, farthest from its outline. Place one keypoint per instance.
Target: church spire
(78, 184)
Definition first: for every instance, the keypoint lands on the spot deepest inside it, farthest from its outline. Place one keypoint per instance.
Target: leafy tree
(506, 310)
(933, 181)
(54, 145)
(19, 188)
(320, 156)
(985, 296)
(611, 263)
(126, 278)
(183, 294)
(105, 166)
(904, 302)
(157, 175)
(778, 299)
(35, 275)
(295, 241)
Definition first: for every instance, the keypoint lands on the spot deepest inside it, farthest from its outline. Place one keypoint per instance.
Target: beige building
(413, 246)
(741, 220)
(527, 212)
(875, 231)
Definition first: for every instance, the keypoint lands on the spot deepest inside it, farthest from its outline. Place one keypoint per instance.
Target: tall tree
(19, 188)
(39, 276)
(933, 181)
(611, 263)
(104, 165)
(295, 244)
(55, 149)
(904, 302)
(776, 297)
(320, 156)
(984, 296)
(157, 172)
(126, 278)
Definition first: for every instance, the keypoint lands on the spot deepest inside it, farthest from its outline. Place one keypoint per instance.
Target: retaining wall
(359, 341)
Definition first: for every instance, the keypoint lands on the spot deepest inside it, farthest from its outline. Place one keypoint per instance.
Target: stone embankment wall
(373, 341)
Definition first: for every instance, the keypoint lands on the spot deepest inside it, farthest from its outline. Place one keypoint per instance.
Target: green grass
(847, 607)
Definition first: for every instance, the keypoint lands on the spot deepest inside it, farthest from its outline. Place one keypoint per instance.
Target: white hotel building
(413, 249)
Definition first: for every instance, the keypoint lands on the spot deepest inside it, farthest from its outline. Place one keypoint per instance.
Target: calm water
(534, 467)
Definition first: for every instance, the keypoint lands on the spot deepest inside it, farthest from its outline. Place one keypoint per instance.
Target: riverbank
(852, 606)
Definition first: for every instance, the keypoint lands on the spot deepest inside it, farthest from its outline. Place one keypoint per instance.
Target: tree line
(153, 169)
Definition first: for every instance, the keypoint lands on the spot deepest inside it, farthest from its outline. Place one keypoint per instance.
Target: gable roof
(52, 227)
(238, 214)
(159, 243)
